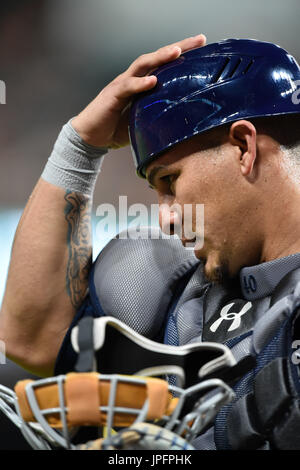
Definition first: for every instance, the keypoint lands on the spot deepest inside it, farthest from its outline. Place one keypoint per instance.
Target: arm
(47, 277)
(51, 254)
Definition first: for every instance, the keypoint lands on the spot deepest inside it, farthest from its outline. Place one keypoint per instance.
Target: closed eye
(169, 180)
(165, 179)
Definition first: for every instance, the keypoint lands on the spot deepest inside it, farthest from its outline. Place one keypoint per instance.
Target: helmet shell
(209, 87)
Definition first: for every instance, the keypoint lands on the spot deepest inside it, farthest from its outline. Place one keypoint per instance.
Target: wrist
(74, 164)
(87, 137)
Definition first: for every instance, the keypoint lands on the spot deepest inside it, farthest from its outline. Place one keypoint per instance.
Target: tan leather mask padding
(83, 399)
(158, 398)
(85, 393)
(46, 397)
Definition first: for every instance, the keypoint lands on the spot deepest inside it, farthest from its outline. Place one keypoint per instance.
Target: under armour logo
(226, 315)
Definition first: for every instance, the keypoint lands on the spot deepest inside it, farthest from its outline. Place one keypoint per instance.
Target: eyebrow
(151, 177)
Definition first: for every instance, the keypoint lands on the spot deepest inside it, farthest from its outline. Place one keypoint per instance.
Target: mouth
(200, 253)
(188, 240)
(197, 247)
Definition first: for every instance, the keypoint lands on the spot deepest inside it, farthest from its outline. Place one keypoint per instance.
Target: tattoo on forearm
(78, 214)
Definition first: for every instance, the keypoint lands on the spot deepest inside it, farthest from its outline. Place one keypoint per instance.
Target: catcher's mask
(62, 404)
(130, 411)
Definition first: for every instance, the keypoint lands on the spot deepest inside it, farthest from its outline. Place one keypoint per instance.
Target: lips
(184, 241)
(201, 253)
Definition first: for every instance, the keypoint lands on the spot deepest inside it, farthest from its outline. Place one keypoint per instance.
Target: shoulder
(132, 279)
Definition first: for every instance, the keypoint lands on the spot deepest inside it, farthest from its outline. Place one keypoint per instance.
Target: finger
(190, 43)
(131, 85)
(147, 62)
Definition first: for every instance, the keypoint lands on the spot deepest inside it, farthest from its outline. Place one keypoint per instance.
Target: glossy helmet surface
(208, 87)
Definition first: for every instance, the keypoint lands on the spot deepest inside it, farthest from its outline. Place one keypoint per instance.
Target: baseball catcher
(153, 341)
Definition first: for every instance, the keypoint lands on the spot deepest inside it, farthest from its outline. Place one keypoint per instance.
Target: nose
(169, 218)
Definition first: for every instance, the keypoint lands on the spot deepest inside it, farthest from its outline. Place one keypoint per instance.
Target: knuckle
(118, 82)
(141, 58)
(162, 50)
(113, 85)
(118, 79)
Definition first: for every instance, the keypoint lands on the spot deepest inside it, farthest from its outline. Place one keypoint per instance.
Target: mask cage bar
(32, 432)
(203, 411)
(64, 439)
(214, 394)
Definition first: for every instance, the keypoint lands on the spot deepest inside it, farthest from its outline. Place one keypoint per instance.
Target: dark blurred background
(56, 55)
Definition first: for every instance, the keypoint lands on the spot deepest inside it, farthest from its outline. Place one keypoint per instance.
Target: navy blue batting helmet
(209, 87)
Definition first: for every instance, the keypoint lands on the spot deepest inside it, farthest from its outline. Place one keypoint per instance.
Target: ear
(243, 135)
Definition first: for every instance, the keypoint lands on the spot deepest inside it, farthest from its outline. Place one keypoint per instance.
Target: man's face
(196, 172)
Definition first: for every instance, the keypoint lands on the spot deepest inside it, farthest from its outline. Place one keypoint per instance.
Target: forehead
(178, 155)
(175, 156)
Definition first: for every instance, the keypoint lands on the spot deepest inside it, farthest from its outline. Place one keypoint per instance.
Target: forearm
(51, 250)
(47, 278)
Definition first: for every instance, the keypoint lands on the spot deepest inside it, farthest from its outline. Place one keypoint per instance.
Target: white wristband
(73, 164)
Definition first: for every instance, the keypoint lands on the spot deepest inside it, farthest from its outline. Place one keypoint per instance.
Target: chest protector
(158, 288)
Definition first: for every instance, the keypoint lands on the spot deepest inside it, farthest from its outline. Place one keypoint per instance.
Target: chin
(200, 254)
(218, 273)
(216, 266)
